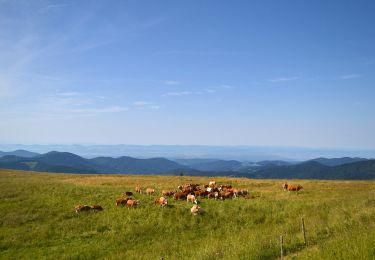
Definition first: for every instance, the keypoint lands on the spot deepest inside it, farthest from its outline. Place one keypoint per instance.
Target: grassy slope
(37, 219)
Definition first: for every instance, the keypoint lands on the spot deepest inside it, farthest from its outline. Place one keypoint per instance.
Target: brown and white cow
(191, 198)
(132, 203)
(195, 210)
(138, 190)
(162, 201)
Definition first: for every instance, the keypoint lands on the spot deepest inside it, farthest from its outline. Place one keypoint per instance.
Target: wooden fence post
(303, 230)
(281, 247)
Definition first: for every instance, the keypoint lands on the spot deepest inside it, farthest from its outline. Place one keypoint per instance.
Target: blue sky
(273, 73)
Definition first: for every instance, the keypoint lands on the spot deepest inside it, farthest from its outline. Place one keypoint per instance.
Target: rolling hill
(20, 153)
(320, 168)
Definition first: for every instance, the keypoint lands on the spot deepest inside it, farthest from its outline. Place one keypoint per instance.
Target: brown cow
(200, 193)
(227, 194)
(132, 203)
(180, 195)
(288, 187)
(122, 201)
(162, 201)
(167, 193)
(150, 191)
(138, 189)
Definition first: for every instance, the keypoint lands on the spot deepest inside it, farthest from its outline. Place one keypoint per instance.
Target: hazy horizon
(242, 153)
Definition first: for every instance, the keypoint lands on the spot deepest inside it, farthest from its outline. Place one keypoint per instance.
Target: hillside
(127, 164)
(217, 165)
(38, 219)
(20, 153)
(313, 169)
(338, 161)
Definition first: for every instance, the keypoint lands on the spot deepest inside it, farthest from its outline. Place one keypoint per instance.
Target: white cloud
(145, 105)
(111, 109)
(350, 76)
(283, 79)
(172, 82)
(181, 93)
(140, 103)
(227, 86)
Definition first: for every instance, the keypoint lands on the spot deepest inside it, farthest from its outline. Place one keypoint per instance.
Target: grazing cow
(132, 203)
(225, 187)
(122, 201)
(138, 190)
(212, 183)
(288, 187)
(162, 201)
(150, 191)
(195, 210)
(180, 195)
(128, 193)
(200, 193)
(227, 194)
(168, 193)
(191, 198)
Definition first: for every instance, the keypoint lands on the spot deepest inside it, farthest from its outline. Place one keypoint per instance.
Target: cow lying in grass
(288, 187)
(195, 210)
(81, 208)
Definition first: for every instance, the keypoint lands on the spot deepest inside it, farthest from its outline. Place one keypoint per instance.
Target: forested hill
(320, 168)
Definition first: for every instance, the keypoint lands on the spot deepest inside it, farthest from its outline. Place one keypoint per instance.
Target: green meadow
(38, 221)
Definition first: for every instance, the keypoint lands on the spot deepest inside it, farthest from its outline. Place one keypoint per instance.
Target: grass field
(37, 219)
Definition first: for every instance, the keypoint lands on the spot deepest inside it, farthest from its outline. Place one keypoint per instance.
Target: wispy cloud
(172, 82)
(198, 92)
(350, 76)
(110, 109)
(187, 93)
(227, 86)
(145, 105)
(283, 79)
(51, 7)
(204, 53)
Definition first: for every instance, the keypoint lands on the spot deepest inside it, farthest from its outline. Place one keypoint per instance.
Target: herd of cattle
(190, 192)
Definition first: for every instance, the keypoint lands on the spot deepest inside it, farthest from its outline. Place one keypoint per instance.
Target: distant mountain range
(64, 162)
(21, 153)
(239, 153)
